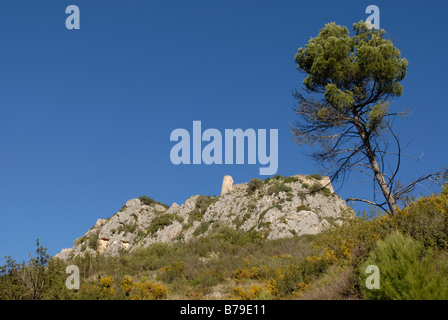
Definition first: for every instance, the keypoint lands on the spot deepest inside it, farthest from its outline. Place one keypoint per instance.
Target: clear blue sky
(86, 114)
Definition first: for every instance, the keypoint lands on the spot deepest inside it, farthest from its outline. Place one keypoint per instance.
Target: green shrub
(127, 228)
(271, 190)
(251, 207)
(79, 240)
(303, 207)
(283, 188)
(425, 220)
(261, 225)
(160, 222)
(140, 235)
(277, 188)
(172, 272)
(238, 222)
(299, 274)
(195, 215)
(445, 190)
(315, 187)
(315, 176)
(226, 234)
(326, 192)
(207, 278)
(147, 200)
(187, 226)
(407, 271)
(93, 240)
(203, 227)
(203, 202)
(279, 178)
(353, 239)
(290, 179)
(150, 201)
(254, 184)
(201, 205)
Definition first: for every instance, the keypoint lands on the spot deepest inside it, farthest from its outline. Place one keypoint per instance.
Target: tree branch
(369, 202)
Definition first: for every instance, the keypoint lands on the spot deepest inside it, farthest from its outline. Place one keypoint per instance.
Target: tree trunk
(379, 176)
(382, 182)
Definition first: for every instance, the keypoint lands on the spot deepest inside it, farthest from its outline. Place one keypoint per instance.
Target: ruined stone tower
(227, 184)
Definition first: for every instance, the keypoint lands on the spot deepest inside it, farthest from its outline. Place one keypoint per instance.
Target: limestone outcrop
(277, 208)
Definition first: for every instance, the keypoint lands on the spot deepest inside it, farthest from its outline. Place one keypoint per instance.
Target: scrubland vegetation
(410, 249)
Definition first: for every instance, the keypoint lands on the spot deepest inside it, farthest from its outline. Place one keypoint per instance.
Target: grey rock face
(277, 208)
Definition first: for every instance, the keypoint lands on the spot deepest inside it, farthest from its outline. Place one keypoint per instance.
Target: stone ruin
(227, 184)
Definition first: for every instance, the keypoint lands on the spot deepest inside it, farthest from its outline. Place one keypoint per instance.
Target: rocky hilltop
(277, 207)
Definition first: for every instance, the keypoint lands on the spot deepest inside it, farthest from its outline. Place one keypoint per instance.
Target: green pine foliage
(336, 63)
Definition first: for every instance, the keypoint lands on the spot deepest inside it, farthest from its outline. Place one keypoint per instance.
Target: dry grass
(337, 284)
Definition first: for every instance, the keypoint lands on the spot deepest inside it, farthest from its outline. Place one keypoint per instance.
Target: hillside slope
(280, 207)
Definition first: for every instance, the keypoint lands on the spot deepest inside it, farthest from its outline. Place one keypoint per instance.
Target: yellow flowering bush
(241, 274)
(127, 284)
(172, 272)
(106, 282)
(271, 287)
(103, 291)
(251, 293)
(256, 273)
(425, 220)
(301, 288)
(149, 291)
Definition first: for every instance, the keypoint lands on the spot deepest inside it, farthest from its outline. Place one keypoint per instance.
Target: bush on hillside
(254, 185)
(201, 205)
(160, 222)
(425, 220)
(150, 201)
(407, 271)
